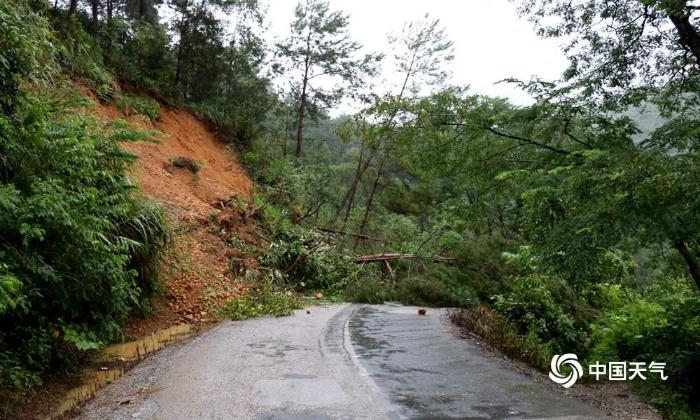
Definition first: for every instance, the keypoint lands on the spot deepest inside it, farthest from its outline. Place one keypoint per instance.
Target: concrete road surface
(339, 362)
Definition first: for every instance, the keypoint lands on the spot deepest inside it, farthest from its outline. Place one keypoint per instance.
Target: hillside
(198, 277)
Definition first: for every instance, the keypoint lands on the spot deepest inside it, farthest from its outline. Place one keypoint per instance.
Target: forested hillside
(570, 225)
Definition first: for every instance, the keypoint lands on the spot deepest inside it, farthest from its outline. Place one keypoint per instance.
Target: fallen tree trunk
(398, 256)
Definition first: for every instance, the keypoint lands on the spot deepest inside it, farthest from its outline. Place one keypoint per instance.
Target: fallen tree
(398, 256)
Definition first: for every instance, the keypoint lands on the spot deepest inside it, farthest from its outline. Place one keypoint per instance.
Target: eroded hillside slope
(203, 206)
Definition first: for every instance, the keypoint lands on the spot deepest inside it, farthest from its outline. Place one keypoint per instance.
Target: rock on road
(338, 362)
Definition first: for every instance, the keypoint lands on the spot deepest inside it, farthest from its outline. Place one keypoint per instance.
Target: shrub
(25, 51)
(187, 163)
(145, 227)
(307, 262)
(369, 290)
(80, 54)
(434, 291)
(661, 323)
(532, 309)
(261, 301)
(496, 331)
(138, 105)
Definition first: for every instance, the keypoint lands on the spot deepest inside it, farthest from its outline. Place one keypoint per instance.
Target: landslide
(206, 204)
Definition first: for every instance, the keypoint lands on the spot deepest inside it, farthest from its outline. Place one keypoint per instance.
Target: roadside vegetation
(567, 226)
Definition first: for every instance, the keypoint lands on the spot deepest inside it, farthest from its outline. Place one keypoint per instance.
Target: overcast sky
(491, 41)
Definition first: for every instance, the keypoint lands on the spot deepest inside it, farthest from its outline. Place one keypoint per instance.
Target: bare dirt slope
(201, 207)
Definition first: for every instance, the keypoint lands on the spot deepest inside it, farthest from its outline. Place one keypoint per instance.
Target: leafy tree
(243, 89)
(139, 52)
(625, 52)
(221, 75)
(420, 56)
(320, 47)
(200, 35)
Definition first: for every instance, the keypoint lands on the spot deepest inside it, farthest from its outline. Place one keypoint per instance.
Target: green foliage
(320, 46)
(79, 250)
(673, 404)
(25, 50)
(531, 307)
(263, 301)
(222, 82)
(661, 323)
(614, 60)
(480, 264)
(138, 105)
(496, 331)
(140, 52)
(434, 287)
(562, 215)
(439, 291)
(80, 54)
(15, 380)
(82, 339)
(369, 289)
(10, 289)
(306, 261)
(145, 225)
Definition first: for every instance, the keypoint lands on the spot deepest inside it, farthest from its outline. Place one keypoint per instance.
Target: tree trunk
(359, 173)
(362, 167)
(302, 100)
(364, 259)
(350, 192)
(686, 31)
(142, 8)
(183, 30)
(690, 260)
(73, 7)
(95, 5)
(300, 123)
(363, 226)
(110, 9)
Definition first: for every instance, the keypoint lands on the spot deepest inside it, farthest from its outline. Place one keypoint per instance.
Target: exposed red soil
(204, 208)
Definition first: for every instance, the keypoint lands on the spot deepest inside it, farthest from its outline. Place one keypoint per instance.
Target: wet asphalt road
(339, 362)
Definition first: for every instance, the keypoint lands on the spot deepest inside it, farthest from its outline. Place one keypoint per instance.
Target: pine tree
(320, 47)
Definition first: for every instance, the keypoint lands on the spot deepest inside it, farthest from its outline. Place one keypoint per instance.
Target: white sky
(491, 42)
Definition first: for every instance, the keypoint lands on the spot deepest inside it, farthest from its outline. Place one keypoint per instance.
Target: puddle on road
(114, 361)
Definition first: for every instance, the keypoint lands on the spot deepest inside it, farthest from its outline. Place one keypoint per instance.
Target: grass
(138, 105)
